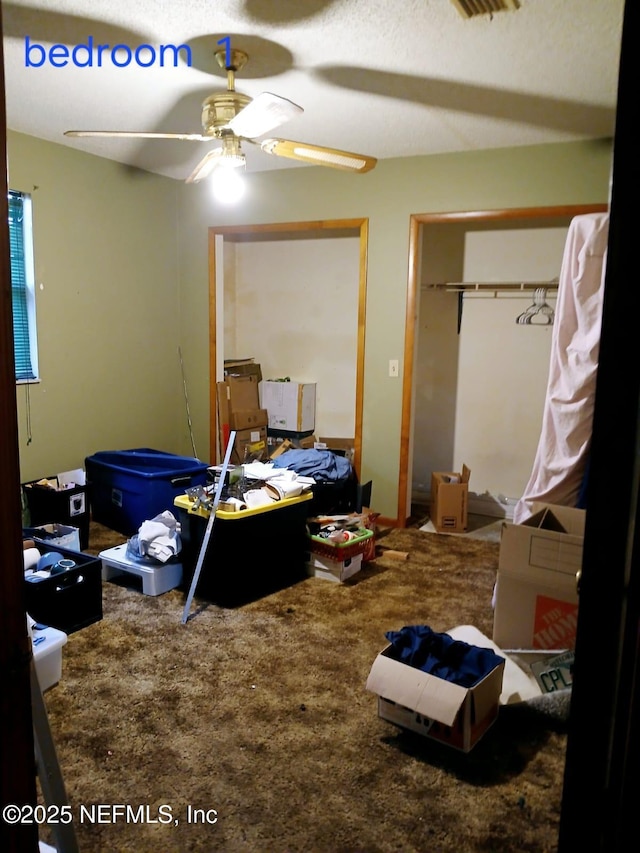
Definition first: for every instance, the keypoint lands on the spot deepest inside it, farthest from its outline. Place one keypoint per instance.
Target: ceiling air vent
(472, 8)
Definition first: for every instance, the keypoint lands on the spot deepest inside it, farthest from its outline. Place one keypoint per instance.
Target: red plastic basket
(343, 550)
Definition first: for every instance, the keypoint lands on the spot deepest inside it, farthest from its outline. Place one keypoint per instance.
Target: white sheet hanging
(560, 461)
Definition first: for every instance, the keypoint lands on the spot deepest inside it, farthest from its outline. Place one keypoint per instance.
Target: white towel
(158, 538)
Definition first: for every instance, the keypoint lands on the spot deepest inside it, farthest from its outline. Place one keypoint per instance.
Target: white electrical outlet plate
(394, 367)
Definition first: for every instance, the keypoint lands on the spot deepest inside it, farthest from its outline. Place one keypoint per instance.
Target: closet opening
(480, 308)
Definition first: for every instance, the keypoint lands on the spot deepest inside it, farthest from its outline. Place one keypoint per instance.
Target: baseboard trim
(490, 505)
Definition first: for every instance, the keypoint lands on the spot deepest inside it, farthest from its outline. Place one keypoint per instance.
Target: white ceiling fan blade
(262, 115)
(138, 134)
(204, 168)
(319, 155)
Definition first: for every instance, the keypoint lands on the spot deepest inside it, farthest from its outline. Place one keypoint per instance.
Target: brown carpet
(260, 713)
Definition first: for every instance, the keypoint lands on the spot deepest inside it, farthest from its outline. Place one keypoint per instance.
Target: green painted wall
(123, 259)
(107, 308)
(495, 179)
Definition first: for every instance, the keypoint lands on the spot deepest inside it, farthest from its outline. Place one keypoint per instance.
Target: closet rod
(462, 286)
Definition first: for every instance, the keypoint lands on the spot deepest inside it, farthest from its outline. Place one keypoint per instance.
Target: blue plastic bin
(128, 487)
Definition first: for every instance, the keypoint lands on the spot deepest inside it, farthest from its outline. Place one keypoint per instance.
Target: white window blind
(22, 287)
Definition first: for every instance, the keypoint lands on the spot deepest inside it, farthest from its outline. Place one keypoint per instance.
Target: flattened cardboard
(536, 591)
(433, 707)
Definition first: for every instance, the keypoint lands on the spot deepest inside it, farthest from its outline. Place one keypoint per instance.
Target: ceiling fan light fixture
(231, 156)
(231, 117)
(227, 184)
(228, 157)
(233, 161)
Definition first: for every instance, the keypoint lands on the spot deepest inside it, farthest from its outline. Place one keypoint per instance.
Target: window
(22, 287)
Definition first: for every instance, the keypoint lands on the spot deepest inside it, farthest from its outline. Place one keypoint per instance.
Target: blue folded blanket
(322, 465)
(441, 655)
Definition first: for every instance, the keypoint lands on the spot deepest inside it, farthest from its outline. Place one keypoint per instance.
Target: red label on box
(554, 624)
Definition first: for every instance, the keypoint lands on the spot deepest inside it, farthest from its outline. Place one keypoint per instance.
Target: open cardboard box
(458, 716)
(424, 703)
(449, 499)
(56, 535)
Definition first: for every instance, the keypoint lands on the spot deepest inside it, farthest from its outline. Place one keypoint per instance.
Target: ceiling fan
(231, 118)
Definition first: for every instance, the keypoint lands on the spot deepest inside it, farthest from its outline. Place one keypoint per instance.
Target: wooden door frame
(314, 229)
(417, 220)
(599, 803)
(18, 772)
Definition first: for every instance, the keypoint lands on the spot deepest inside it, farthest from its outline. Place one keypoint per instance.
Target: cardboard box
(333, 570)
(249, 442)
(238, 410)
(519, 683)
(242, 392)
(248, 419)
(536, 604)
(449, 499)
(447, 712)
(342, 446)
(291, 405)
(56, 535)
(307, 442)
(242, 367)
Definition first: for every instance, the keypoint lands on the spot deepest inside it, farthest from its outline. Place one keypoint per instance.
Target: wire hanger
(539, 313)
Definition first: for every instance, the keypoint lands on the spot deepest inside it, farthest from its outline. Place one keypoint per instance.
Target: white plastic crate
(47, 655)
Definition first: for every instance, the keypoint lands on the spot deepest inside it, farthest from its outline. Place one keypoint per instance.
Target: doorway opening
(321, 315)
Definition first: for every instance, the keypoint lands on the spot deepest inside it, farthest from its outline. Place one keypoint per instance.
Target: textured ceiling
(381, 78)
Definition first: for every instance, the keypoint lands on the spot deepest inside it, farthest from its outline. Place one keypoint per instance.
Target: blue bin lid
(145, 462)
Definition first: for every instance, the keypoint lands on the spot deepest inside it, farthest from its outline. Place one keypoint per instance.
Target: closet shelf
(495, 286)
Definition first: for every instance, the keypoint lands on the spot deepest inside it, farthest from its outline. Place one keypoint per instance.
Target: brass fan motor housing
(218, 110)
(238, 59)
